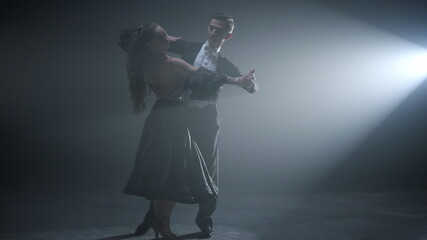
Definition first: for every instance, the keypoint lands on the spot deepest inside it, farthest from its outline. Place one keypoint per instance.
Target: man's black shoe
(206, 233)
(205, 225)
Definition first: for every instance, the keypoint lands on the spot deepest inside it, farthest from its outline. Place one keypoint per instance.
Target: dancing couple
(177, 157)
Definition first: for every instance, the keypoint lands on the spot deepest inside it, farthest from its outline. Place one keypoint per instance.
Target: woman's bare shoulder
(182, 66)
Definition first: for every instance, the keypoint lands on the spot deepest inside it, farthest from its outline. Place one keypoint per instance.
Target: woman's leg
(163, 210)
(168, 207)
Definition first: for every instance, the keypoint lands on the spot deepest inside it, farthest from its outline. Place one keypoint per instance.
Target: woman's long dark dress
(168, 163)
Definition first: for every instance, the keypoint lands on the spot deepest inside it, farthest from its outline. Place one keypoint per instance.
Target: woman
(168, 167)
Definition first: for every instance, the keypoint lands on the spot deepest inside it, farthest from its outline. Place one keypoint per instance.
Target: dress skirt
(168, 163)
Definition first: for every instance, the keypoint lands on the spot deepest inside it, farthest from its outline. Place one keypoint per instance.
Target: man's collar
(214, 51)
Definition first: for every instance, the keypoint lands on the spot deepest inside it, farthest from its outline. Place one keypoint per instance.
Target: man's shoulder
(224, 59)
(226, 66)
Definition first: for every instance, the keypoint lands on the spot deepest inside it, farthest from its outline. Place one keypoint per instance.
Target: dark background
(66, 115)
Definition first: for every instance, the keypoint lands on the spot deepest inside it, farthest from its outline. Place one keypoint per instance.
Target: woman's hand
(172, 38)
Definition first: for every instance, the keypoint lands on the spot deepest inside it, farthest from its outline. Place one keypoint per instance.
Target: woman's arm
(185, 69)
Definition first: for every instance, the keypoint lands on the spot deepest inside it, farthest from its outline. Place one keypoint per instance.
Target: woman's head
(158, 41)
(147, 40)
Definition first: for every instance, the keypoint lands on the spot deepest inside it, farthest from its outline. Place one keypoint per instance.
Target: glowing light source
(417, 64)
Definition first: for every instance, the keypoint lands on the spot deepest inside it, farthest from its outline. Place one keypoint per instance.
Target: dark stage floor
(360, 216)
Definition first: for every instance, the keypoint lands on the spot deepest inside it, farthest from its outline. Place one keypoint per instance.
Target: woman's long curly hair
(138, 54)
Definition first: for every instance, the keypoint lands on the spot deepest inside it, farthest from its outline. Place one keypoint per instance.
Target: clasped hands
(248, 82)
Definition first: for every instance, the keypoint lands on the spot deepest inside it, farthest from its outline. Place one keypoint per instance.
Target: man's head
(220, 29)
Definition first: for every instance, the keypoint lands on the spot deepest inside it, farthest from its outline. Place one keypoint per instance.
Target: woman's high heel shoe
(143, 228)
(164, 230)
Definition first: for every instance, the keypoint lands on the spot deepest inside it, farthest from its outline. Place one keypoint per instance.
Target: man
(203, 110)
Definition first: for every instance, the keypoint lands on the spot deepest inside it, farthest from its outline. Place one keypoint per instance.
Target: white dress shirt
(207, 58)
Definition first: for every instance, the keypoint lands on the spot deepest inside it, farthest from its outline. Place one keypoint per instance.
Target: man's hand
(172, 38)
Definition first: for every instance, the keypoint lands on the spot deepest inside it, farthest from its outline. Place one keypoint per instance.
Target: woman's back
(164, 80)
